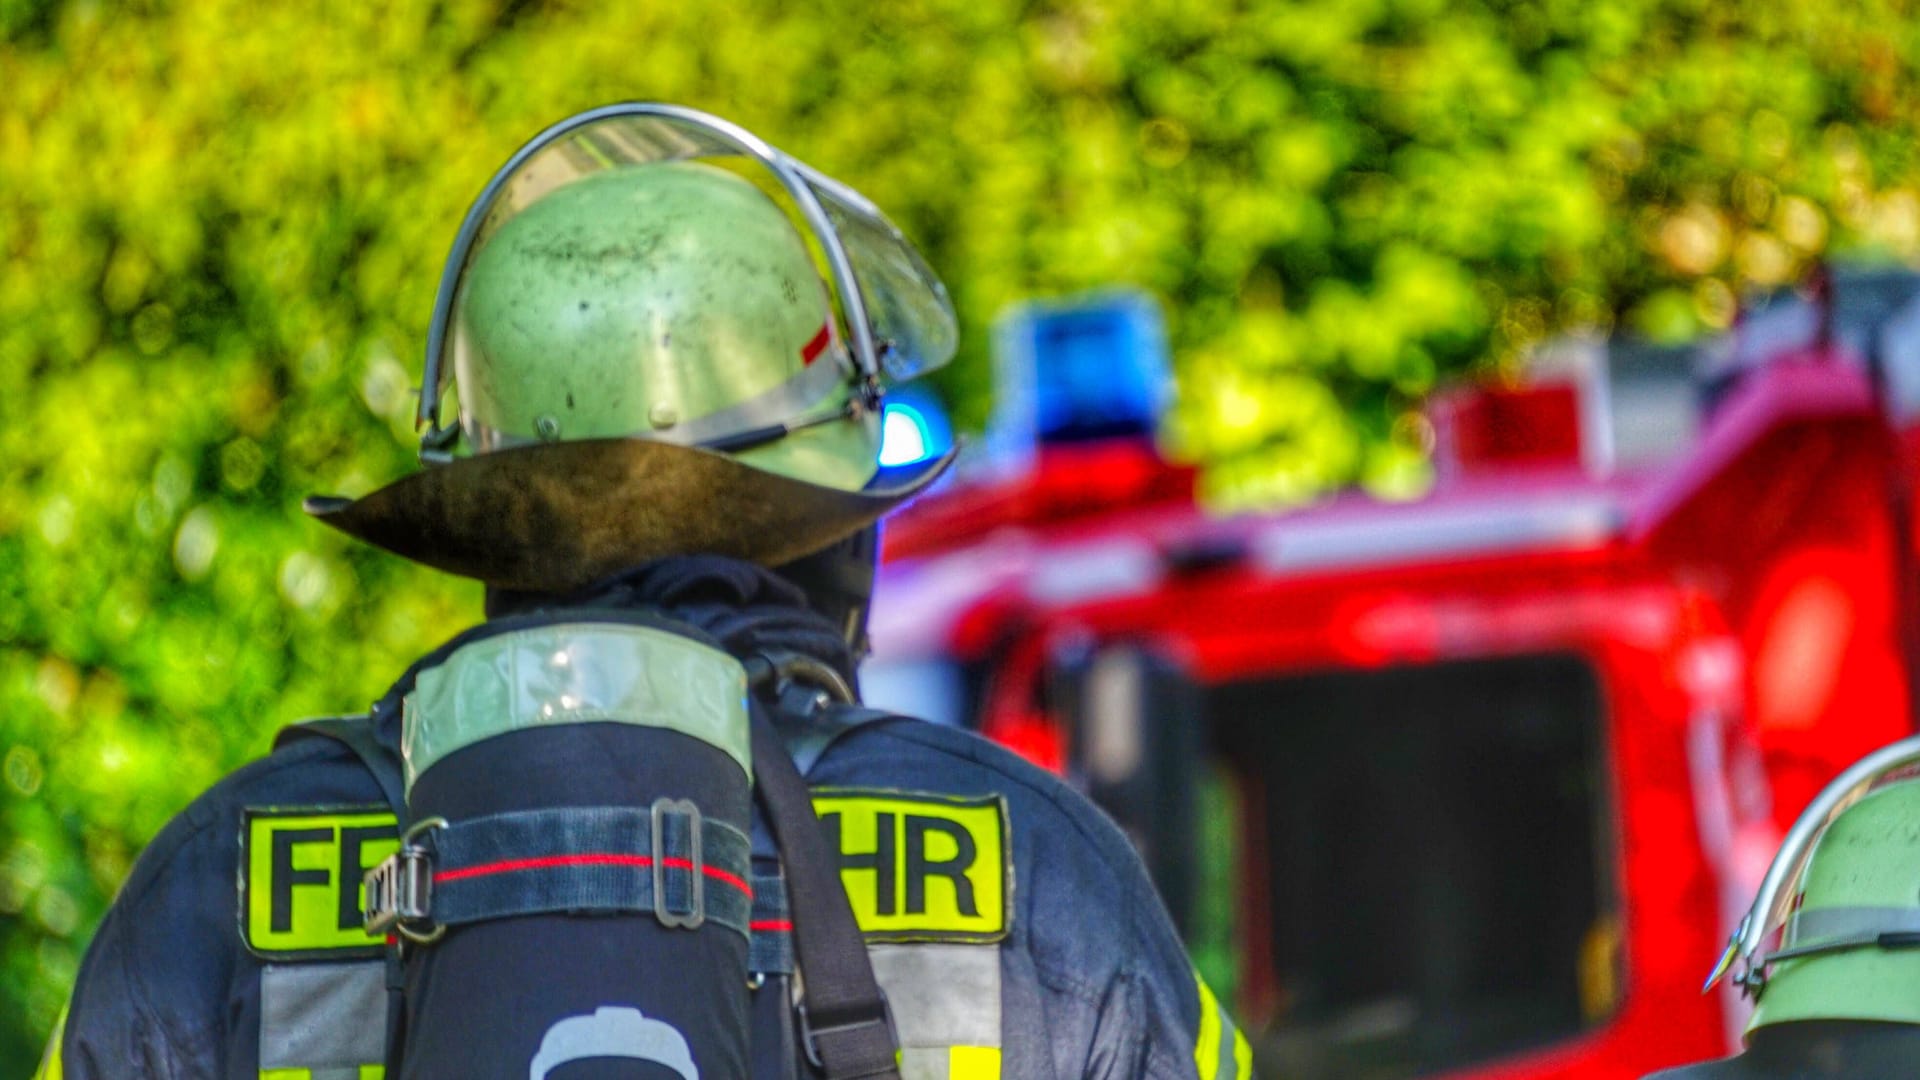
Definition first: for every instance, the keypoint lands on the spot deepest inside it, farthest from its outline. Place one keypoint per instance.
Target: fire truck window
(1435, 855)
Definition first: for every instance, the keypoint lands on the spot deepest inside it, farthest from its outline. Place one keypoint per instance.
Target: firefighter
(1839, 996)
(595, 827)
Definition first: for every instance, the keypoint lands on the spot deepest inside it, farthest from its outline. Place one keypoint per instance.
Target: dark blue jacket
(222, 957)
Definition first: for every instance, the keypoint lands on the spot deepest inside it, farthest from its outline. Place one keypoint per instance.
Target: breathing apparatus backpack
(574, 894)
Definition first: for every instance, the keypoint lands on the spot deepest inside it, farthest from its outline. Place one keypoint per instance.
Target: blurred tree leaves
(221, 224)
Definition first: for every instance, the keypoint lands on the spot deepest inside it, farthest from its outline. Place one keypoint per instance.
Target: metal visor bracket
(1761, 938)
(895, 312)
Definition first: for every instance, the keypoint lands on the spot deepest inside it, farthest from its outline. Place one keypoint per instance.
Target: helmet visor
(894, 310)
(906, 305)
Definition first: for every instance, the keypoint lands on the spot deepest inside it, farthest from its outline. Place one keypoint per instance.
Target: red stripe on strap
(771, 926)
(549, 862)
(508, 866)
(713, 872)
(811, 350)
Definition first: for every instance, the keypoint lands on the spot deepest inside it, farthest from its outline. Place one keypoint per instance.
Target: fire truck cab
(1473, 785)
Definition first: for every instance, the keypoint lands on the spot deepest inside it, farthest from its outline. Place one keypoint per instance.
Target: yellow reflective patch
(367, 1072)
(1219, 1041)
(50, 1067)
(1206, 1045)
(973, 1063)
(921, 867)
(301, 888)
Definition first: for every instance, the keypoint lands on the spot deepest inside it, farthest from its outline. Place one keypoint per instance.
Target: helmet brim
(558, 515)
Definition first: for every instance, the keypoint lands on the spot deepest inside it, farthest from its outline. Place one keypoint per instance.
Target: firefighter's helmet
(648, 360)
(1833, 933)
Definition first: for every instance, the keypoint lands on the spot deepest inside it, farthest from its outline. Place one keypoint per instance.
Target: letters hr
(880, 861)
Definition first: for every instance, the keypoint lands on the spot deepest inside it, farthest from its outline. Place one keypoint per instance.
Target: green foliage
(221, 223)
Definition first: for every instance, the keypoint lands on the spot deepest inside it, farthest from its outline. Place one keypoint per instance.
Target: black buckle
(692, 917)
(400, 889)
(808, 1033)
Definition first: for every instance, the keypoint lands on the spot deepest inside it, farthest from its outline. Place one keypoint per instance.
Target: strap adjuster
(400, 889)
(694, 913)
(809, 1033)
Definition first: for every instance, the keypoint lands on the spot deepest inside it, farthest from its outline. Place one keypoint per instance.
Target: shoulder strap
(358, 735)
(845, 1025)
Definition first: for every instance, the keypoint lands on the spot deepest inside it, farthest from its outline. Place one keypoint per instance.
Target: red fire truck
(1468, 786)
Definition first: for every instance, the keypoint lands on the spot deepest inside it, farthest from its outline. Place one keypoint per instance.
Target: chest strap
(667, 860)
(769, 924)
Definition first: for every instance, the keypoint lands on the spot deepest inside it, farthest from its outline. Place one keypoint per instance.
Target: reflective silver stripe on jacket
(946, 1007)
(325, 1021)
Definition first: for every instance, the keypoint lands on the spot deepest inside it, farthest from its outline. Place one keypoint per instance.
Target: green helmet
(1833, 933)
(670, 301)
(648, 362)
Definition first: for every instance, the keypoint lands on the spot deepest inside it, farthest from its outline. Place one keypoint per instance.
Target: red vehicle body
(1469, 786)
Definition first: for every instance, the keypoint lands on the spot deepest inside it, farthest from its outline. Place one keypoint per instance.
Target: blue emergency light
(1087, 367)
(913, 427)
